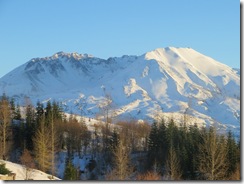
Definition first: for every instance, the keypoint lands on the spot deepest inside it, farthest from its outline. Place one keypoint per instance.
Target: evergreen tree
(172, 134)
(57, 111)
(3, 169)
(58, 120)
(30, 127)
(39, 112)
(48, 113)
(70, 172)
(163, 143)
(17, 115)
(114, 140)
(12, 108)
(193, 141)
(232, 154)
(19, 136)
(153, 144)
(182, 151)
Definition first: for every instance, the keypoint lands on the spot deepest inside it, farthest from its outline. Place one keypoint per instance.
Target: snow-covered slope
(20, 172)
(167, 81)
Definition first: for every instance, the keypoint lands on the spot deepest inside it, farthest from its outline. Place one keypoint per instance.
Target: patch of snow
(19, 170)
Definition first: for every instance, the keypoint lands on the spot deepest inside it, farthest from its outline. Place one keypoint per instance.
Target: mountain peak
(171, 78)
(71, 55)
(160, 53)
(61, 54)
(172, 49)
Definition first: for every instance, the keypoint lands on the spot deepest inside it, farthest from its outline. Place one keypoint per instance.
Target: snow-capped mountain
(167, 81)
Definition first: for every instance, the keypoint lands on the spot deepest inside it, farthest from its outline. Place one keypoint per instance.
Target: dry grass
(149, 176)
(236, 175)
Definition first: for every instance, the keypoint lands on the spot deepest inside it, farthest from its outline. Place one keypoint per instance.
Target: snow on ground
(19, 170)
(79, 162)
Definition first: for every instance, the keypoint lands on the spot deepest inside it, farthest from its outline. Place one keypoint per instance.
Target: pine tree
(18, 136)
(48, 113)
(12, 108)
(30, 127)
(172, 134)
(182, 151)
(59, 124)
(232, 154)
(163, 143)
(70, 172)
(3, 169)
(193, 141)
(39, 112)
(17, 115)
(57, 111)
(114, 140)
(153, 144)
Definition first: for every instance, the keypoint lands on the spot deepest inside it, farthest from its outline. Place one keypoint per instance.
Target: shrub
(4, 170)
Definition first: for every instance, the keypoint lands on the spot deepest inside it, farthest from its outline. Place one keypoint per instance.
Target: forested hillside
(44, 137)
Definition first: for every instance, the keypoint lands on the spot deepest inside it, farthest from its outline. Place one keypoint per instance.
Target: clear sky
(107, 28)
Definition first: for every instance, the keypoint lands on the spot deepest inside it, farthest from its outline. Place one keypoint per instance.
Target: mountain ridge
(170, 79)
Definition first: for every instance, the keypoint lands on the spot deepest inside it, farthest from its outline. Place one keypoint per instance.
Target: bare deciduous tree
(121, 161)
(212, 156)
(53, 144)
(28, 163)
(173, 171)
(5, 114)
(42, 147)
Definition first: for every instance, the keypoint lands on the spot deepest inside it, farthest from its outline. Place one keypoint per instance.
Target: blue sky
(106, 28)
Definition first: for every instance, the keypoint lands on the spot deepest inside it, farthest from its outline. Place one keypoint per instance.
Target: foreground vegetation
(125, 150)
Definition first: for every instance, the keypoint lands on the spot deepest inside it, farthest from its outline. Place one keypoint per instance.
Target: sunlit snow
(168, 80)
